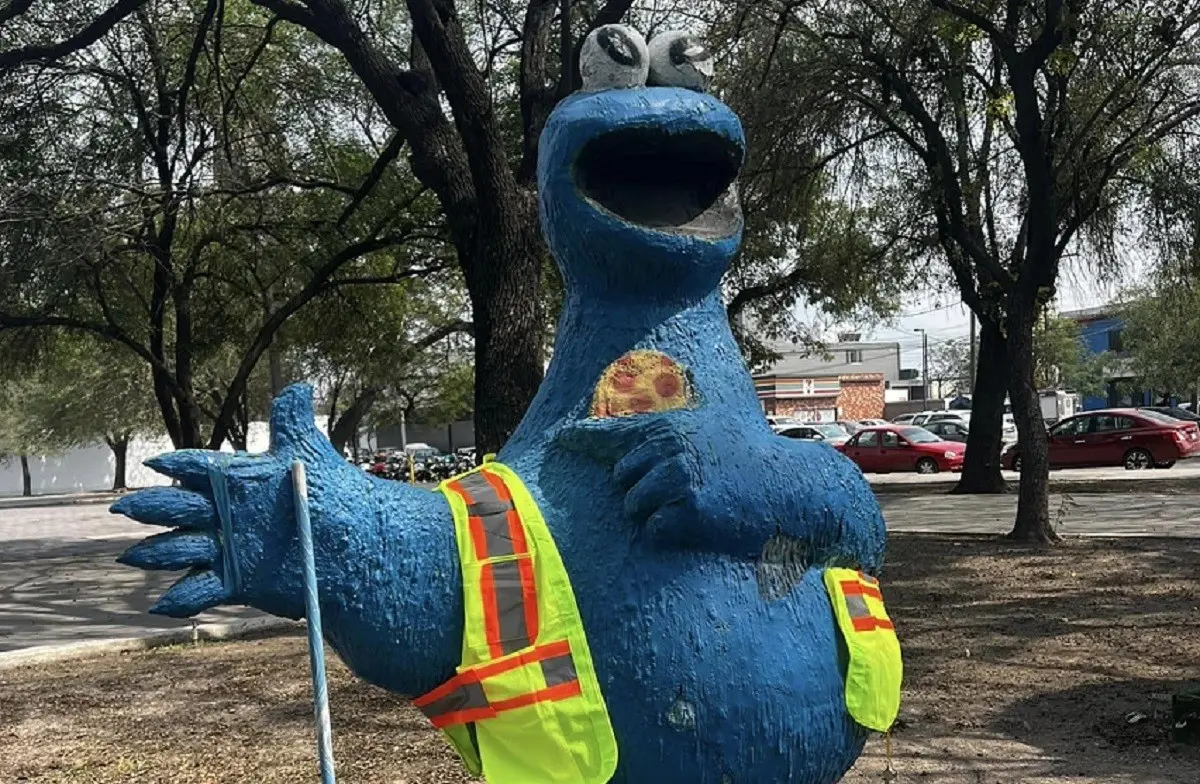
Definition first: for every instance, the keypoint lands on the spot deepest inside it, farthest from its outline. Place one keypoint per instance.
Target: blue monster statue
(721, 573)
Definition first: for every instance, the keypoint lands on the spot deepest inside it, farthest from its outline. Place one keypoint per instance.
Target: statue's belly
(708, 681)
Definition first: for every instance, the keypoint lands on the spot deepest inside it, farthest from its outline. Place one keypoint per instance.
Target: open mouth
(682, 183)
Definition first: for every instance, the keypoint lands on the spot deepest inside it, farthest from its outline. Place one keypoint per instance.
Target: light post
(924, 363)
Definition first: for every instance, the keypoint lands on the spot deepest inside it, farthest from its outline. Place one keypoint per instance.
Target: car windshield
(830, 431)
(918, 435)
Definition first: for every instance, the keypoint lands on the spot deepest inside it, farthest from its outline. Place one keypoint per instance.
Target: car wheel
(927, 465)
(1138, 459)
(1168, 464)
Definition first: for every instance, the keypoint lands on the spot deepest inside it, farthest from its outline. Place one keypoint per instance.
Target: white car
(922, 418)
(777, 421)
(816, 431)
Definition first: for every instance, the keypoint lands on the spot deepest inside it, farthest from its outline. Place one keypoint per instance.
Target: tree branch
(89, 35)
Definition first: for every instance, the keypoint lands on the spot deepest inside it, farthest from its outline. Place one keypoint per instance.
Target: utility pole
(924, 362)
(974, 358)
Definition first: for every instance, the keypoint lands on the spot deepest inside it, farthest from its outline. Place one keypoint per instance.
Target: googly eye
(679, 59)
(613, 57)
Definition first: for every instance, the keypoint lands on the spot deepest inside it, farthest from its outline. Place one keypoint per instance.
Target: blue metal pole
(316, 646)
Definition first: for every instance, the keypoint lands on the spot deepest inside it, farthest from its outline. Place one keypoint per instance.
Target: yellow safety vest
(525, 706)
(875, 669)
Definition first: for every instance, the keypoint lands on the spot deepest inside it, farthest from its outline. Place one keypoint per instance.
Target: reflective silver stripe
(857, 606)
(492, 513)
(559, 670)
(489, 508)
(468, 696)
(510, 607)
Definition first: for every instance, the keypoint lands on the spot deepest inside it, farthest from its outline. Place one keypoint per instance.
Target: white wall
(90, 468)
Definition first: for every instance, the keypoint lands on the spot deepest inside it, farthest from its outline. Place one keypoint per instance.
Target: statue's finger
(606, 440)
(172, 507)
(191, 595)
(661, 486)
(172, 551)
(189, 466)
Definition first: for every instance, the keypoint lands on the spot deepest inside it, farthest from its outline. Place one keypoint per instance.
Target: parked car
(903, 419)
(948, 416)
(902, 448)
(817, 431)
(777, 421)
(1175, 412)
(873, 423)
(1134, 438)
(850, 426)
(923, 417)
(949, 429)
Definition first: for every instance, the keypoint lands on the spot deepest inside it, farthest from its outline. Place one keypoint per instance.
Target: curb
(35, 501)
(49, 654)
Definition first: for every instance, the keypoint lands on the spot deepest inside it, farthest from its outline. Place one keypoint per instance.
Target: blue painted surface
(1095, 333)
(694, 539)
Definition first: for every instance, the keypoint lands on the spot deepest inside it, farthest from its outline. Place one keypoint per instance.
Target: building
(1100, 330)
(850, 379)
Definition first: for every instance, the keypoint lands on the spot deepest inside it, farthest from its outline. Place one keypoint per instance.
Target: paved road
(58, 581)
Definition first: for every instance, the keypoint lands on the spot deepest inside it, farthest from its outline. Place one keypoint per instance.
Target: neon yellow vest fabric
(875, 669)
(525, 706)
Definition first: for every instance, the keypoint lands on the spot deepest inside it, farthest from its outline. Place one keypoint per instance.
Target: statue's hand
(252, 556)
(664, 463)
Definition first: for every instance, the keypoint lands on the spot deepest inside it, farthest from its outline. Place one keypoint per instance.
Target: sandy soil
(1021, 666)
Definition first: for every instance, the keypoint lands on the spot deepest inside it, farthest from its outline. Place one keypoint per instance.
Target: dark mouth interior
(677, 182)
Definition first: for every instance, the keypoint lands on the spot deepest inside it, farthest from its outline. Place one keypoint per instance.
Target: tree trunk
(506, 306)
(985, 438)
(120, 448)
(346, 426)
(26, 477)
(1033, 504)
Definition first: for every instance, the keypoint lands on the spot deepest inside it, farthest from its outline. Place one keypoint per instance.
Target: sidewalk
(57, 499)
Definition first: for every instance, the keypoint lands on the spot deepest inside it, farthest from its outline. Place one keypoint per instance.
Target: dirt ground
(1021, 666)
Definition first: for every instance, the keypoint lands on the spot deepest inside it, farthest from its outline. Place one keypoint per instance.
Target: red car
(882, 450)
(1133, 438)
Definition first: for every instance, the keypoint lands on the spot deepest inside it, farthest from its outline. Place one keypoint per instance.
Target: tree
(364, 346)
(950, 365)
(1061, 361)
(441, 98)
(81, 392)
(805, 238)
(186, 197)
(1007, 125)
(1159, 338)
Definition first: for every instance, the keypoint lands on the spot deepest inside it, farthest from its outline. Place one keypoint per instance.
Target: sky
(944, 316)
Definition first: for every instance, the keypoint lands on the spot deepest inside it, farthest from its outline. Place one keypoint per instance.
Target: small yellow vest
(525, 706)
(875, 669)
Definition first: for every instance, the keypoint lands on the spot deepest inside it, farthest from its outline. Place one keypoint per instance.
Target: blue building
(1100, 330)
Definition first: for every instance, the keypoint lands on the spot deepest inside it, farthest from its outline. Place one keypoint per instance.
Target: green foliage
(1160, 328)
(189, 233)
(82, 391)
(950, 365)
(1061, 361)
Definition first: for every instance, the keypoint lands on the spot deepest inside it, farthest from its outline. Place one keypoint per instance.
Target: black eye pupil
(684, 50)
(618, 47)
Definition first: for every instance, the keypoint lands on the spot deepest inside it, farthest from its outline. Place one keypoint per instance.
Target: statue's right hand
(234, 520)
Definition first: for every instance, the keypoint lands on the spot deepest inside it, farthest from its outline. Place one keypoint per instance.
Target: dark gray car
(949, 430)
